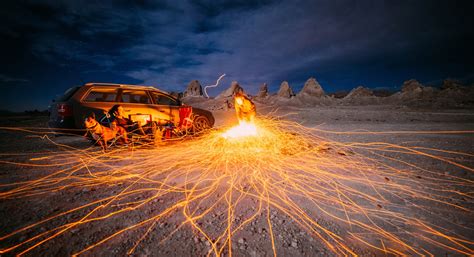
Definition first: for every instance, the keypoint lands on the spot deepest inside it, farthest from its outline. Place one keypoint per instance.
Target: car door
(164, 101)
(137, 105)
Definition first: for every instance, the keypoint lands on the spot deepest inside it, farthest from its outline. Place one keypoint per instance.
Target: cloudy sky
(49, 46)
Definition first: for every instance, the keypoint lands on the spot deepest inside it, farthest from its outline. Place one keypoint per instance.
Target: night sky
(49, 46)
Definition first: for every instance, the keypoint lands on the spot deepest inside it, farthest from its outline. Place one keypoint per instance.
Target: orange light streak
(380, 196)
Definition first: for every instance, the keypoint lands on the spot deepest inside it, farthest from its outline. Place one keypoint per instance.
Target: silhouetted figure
(244, 107)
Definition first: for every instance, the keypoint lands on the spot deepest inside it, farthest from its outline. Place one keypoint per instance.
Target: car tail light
(64, 110)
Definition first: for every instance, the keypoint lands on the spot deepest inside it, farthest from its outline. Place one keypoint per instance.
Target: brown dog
(102, 134)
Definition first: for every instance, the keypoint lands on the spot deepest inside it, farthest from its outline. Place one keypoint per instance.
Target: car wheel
(201, 123)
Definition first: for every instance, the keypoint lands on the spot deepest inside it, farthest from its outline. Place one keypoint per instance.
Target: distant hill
(7, 113)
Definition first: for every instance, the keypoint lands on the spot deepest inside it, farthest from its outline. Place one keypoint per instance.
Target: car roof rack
(124, 86)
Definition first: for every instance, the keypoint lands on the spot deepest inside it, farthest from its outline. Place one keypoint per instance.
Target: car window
(98, 94)
(135, 96)
(68, 94)
(164, 99)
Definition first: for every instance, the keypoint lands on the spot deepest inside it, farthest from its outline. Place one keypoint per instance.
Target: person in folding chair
(117, 117)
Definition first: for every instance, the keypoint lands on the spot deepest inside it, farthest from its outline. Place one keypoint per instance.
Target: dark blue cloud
(57, 44)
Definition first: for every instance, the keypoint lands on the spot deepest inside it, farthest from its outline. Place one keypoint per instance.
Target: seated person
(117, 117)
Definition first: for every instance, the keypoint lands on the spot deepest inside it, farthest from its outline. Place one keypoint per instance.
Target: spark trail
(377, 195)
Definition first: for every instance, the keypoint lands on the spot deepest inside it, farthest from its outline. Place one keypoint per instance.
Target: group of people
(244, 107)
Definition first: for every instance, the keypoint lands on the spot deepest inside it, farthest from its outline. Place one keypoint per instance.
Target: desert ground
(377, 180)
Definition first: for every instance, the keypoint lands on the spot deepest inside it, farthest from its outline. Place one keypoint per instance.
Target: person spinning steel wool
(244, 107)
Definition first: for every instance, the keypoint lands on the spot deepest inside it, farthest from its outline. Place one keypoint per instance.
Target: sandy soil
(168, 238)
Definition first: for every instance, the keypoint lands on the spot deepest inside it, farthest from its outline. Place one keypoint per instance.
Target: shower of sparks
(220, 183)
(244, 129)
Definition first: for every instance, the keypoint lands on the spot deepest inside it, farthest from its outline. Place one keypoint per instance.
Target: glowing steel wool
(376, 194)
(244, 129)
(245, 111)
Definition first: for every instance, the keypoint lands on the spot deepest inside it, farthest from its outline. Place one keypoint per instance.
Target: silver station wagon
(140, 103)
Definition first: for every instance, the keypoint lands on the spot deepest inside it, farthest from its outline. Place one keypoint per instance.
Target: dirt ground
(168, 237)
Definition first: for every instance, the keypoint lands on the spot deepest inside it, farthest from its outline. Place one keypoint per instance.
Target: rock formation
(193, 89)
(285, 90)
(413, 94)
(359, 92)
(229, 92)
(313, 94)
(451, 84)
(454, 93)
(312, 88)
(360, 96)
(263, 92)
(411, 91)
(412, 86)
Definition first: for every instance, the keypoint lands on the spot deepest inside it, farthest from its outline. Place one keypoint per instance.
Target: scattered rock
(294, 244)
(253, 253)
(342, 153)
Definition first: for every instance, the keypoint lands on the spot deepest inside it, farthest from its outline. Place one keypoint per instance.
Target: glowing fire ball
(244, 129)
